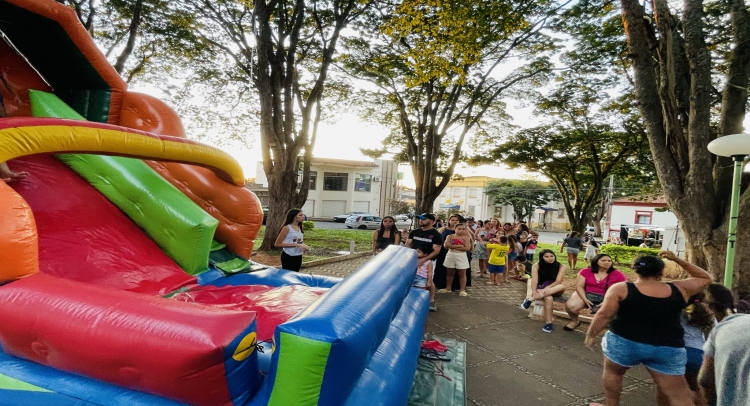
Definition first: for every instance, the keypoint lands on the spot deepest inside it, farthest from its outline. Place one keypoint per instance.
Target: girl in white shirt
(291, 240)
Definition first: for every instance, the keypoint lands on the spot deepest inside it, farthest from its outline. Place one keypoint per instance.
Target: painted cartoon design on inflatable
(124, 277)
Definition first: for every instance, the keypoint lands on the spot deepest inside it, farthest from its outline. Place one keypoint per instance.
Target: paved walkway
(511, 361)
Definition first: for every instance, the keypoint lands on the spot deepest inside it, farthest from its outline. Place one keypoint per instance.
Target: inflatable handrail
(27, 136)
(334, 338)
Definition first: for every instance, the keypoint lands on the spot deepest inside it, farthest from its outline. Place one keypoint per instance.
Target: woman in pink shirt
(591, 285)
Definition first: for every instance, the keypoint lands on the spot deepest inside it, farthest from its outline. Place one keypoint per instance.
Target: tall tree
(141, 38)
(524, 195)
(281, 50)
(680, 60)
(440, 70)
(578, 147)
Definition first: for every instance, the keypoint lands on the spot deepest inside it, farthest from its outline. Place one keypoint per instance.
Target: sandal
(433, 355)
(566, 328)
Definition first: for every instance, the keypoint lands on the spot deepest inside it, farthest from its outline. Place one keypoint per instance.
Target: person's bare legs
(575, 261)
(549, 299)
(462, 280)
(672, 390)
(573, 306)
(449, 272)
(529, 291)
(571, 262)
(612, 381)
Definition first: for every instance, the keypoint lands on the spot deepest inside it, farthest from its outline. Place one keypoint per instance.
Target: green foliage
(400, 207)
(524, 196)
(308, 225)
(625, 255)
(436, 66)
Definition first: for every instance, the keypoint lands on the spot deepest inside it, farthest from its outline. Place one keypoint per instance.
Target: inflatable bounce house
(124, 272)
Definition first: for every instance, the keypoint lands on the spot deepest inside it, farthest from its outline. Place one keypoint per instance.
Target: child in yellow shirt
(498, 259)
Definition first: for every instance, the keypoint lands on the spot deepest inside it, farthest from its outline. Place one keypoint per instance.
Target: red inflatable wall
(160, 346)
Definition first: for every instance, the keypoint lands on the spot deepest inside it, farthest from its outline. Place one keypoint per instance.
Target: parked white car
(342, 217)
(364, 222)
(401, 217)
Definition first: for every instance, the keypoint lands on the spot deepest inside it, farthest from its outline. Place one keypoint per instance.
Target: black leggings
(292, 263)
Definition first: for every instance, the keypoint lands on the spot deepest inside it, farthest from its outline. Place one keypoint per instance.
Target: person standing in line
(646, 328)
(545, 284)
(574, 245)
(455, 260)
(439, 278)
(480, 249)
(386, 235)
(291, 239)
(430, 241)
(725, 373)
(498, 260)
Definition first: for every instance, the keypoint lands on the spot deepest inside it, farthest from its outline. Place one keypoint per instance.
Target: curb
(335, 259)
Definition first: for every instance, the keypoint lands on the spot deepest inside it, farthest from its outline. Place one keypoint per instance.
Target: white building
(468, 195)
(644, 214)
(338, 186)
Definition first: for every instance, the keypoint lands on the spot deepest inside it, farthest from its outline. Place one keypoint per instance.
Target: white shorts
(456, 260)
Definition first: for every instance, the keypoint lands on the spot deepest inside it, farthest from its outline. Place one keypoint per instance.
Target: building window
(560, 213)
(362, 182)
(643, 217)
(456, 192)
(472, 192)
(335, 181)
(313, 179)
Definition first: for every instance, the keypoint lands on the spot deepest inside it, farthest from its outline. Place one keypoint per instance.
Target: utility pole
(610, 193)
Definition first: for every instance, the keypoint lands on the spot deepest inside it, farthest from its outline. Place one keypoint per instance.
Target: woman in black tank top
(386, 235)
(646, 328)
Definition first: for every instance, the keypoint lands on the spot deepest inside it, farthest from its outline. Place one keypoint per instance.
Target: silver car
(342, 217)
(364, 222)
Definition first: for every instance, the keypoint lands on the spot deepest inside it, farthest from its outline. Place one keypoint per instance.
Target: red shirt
(600, 287)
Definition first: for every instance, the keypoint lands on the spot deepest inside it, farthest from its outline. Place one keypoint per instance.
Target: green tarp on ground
(431, 388)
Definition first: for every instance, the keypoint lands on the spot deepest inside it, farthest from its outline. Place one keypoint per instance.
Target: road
(544, 236)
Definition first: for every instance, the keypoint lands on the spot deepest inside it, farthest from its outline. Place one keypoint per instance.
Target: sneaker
(547, 328)
(443, 291)
(433, 307)
(463, 293)
(526, 304)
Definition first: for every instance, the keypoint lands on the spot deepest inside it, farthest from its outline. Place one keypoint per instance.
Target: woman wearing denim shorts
(646, 328)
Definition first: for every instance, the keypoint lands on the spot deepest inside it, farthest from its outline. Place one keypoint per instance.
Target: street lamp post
(737, 147)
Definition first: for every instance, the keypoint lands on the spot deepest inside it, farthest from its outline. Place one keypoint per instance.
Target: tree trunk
(694, 182)
(281, 197)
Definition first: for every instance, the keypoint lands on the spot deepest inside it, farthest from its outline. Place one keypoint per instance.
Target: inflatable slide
(124, 256)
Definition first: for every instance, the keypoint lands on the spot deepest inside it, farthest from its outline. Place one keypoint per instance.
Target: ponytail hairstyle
(697, 313)
(648, 266)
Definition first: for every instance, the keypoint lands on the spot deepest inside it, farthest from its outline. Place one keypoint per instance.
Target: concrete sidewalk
(511, 361)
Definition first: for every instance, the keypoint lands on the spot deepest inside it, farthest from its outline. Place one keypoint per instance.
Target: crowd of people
(685, 332)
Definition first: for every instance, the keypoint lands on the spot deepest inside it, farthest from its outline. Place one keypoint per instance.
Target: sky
(349, 133)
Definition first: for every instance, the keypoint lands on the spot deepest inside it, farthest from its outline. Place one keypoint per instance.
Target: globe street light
(737, 147)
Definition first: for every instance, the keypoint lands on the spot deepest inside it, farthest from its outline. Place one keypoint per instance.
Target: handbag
(538, 307)
(597, 299)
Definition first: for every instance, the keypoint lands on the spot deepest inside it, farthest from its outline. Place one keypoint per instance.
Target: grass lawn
(325, 243)
(563, 259)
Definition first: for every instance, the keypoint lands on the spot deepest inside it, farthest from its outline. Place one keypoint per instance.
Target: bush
(625, 255)
(308, 225)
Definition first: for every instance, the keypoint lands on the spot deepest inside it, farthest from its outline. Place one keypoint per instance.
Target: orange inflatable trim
(19, 243)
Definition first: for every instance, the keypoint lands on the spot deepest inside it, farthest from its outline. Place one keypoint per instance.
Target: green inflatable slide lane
(179, 226)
